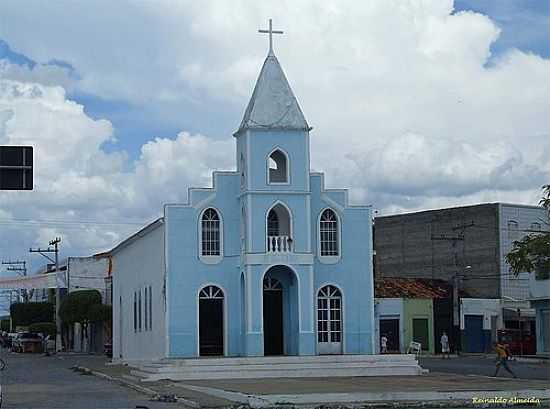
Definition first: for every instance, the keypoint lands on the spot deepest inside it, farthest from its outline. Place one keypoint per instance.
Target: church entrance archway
(211, 325)
(280, 311)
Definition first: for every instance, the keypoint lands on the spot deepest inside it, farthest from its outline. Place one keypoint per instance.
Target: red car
(519, 343)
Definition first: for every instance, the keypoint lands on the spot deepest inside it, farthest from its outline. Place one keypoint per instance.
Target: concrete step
(284, 373)
(282, 366)
(287, 359)
(278, 367)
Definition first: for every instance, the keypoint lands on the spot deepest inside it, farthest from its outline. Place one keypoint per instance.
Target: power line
(70, 222)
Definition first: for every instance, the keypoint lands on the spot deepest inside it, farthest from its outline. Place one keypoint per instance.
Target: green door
(420, 332)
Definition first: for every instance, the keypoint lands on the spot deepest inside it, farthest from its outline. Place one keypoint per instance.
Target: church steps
(280, 367)
(255, 367)
(281, 373)
(287, 359)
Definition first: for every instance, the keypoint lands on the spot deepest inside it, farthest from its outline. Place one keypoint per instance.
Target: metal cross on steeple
(270, 32)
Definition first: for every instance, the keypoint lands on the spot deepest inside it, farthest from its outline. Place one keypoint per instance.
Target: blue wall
(240, 271)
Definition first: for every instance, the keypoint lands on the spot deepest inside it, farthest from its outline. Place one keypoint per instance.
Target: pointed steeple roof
(273, 104)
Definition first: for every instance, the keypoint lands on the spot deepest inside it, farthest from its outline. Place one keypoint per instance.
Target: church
(265, 262)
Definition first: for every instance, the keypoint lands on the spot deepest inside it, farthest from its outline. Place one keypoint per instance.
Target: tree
(532, 253)
(79, 307)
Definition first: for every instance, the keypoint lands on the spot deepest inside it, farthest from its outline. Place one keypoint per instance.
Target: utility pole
(454, 239)
(11, 322)
(16, 266)
(55, 242)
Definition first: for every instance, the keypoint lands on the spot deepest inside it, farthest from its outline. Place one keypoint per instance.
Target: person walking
(383, 344)
(502, 357)
(444, 344)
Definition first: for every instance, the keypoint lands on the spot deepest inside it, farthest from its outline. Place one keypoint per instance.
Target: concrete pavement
(485, 366)
(33, 381)
(437, 388)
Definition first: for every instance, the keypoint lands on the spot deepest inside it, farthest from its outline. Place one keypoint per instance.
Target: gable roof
(143, 232)
(273, 104)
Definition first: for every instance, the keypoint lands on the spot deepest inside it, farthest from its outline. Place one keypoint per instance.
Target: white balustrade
(279, 244)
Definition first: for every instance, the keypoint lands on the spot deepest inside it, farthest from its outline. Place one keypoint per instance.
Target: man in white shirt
(383, 344)
(444, 344)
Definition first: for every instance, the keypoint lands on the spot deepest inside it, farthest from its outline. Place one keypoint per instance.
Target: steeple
(273, 104)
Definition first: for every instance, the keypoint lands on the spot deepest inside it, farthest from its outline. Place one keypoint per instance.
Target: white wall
(87, 273)
(137, 265)
(525, 216)
(538, 289)
(481, 306)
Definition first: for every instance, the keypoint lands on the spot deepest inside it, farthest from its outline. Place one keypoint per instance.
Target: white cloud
(46, 74)
(75, 180)
(406, 108)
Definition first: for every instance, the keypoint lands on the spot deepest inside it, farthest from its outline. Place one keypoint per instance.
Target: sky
(414, 104)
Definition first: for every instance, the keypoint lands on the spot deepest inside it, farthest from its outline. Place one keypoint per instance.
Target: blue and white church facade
(266, 262)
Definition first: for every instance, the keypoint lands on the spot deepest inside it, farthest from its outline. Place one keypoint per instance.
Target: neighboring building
(266, 262)
(539, 286)
(81, 273)
(469, 242)
(480, 318)
(413, 310)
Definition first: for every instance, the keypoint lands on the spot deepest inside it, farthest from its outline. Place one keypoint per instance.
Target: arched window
(277, 167)
(329, 320)
(328, 229)
(279, 225)
(536, 226)
(210, 229)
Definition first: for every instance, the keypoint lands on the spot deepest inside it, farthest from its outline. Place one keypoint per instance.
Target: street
(481, 365)
(36, 381)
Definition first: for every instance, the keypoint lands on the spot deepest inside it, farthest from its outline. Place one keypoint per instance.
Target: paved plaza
(35, 381)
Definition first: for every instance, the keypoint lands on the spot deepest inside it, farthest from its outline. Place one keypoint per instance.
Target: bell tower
(273, 137)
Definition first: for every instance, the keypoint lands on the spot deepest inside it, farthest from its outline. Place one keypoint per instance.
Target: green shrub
(5, 325)
(24, 314)
(76, 306)
(100, 313)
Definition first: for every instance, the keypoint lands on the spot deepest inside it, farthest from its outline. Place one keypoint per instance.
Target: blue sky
(525, 24)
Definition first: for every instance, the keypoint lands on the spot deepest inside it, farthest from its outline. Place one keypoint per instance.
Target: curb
(154, 395)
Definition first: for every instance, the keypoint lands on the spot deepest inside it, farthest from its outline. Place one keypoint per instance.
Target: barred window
(139, 310)
(135, 311)
(150, 308)
(329, 315)
(210, 227)
(328, 227)
(146, 309)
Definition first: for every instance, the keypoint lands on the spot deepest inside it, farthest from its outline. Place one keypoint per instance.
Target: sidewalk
(407, 391)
